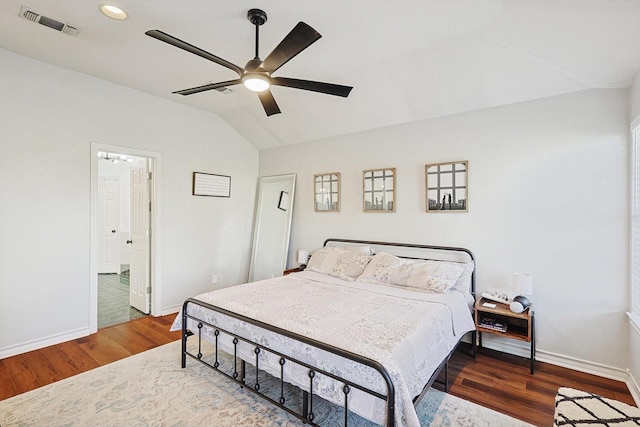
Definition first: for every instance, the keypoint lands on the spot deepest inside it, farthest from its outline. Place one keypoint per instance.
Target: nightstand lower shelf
(518, 326)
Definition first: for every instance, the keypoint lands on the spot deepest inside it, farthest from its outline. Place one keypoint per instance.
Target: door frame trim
(155, 252)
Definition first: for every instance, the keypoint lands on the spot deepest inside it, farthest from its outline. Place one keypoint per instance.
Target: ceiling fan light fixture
(113, 12)
(256, 82)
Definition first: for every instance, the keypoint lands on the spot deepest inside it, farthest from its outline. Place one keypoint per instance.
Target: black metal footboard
(239, 373)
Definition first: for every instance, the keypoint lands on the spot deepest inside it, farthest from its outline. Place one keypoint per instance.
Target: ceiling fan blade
(206, 87)
(301, 37)
(157, 34)
(268, 102)
(327, 88)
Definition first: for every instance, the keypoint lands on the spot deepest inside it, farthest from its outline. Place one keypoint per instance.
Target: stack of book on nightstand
(489, 323)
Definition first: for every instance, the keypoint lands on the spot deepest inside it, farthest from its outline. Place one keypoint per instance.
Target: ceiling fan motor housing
(253, 65)
(257, 16)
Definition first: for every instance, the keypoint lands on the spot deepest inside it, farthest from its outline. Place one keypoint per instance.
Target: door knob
(113, 231)
(129, 242)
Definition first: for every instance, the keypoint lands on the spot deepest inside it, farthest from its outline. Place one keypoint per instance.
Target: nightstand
(292, 270)
(519, 326)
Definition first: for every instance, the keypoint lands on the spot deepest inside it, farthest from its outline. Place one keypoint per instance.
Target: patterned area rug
(150, 389)
(579, 408)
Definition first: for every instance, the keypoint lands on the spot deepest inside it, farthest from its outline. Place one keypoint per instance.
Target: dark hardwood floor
(34, 369)
(495, 380)
(503, 383)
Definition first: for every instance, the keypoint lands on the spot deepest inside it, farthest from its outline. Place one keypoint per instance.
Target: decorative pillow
(431, 276)
(381, 268)
(338, 262)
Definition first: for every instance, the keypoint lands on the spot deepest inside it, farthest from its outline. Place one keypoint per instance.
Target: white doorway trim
(156, 279)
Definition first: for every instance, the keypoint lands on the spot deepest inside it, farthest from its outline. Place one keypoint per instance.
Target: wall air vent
(226, 90)
(33, 16)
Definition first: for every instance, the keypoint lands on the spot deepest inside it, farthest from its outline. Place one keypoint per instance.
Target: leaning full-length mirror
(272, 226)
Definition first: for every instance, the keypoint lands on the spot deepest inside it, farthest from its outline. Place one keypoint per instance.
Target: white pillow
(338, 262)
(431, 276)
(463, 284)
(366, 250)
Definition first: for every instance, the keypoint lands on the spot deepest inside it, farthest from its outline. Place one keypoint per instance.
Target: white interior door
(108, 225)
(139, 288)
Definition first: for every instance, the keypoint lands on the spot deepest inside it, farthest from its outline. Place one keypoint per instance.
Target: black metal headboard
(410, 250)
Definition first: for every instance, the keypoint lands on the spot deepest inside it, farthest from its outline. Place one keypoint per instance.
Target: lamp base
(519, 304)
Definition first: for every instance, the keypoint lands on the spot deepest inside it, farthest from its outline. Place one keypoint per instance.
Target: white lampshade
(522, 284)
(303, 256)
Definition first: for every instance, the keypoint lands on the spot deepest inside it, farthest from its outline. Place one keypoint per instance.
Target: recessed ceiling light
(113, 12)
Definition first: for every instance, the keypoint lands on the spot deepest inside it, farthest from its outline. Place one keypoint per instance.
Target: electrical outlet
(214, 279)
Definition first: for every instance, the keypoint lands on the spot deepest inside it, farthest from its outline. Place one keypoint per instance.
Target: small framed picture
(378, 190)
(447, 188)
(212, 185)
(326, 188)
(283, 203)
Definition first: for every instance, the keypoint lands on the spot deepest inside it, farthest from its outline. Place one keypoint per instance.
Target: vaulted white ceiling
(406, 59)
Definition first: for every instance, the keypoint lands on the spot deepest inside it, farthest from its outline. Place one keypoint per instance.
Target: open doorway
(113, 300)
(122, 217)
(122, 179)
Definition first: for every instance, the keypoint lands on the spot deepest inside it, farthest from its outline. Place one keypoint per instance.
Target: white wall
(548, 195)
(48, 118)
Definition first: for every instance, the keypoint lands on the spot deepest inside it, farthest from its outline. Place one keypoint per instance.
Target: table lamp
(303, 258)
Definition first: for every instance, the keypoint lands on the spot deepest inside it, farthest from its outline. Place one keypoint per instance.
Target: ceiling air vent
(34, 16)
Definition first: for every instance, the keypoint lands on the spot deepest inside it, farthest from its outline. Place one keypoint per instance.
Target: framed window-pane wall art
(327, 192)
(379, 190)
(447, 188)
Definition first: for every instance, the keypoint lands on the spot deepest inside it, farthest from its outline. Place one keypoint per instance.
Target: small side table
(520, 326)
(292, 270)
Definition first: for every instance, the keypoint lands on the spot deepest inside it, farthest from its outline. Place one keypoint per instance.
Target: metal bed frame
(243, 378)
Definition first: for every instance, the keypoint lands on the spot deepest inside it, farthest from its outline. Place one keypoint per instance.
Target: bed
(368, 326)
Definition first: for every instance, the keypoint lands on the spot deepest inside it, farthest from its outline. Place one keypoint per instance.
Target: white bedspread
(409, 332)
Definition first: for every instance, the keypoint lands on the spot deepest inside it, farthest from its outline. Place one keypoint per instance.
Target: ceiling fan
(257, 74)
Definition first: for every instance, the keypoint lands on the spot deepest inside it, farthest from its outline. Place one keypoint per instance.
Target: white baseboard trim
(569, 362)
(634, 388)
(171, 310)
(593, 368)
(60, 338)
(43, 342)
